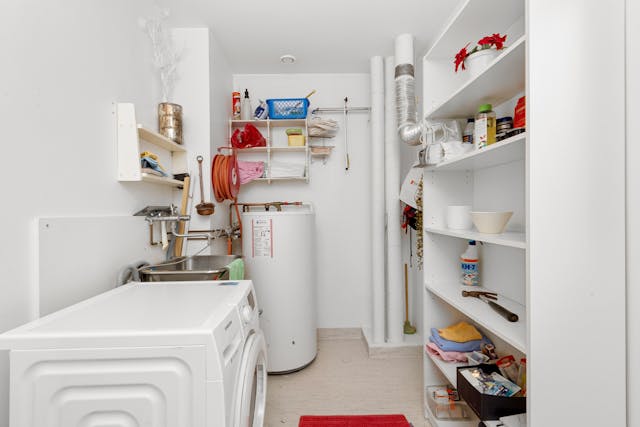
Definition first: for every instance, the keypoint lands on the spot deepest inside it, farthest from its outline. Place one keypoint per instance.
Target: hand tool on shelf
(489, 298)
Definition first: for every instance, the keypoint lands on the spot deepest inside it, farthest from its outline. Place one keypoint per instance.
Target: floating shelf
(480, 312)
(448, 369)
(146, 177)
(501, 81)
(159, 140)
(505, 151)
(465, 26)
(510, 239)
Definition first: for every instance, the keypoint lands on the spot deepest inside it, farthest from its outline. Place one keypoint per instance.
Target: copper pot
(170, 121)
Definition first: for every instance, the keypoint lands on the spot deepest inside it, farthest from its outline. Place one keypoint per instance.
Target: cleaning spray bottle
(470, 273)
(245, 110)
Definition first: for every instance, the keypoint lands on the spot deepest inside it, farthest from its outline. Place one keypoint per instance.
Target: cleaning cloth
(447, 356)
(236, 269)
(248, 171)
(460, 332)
(447, 345)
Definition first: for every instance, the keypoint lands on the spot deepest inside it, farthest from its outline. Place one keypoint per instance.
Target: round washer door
(251, 390)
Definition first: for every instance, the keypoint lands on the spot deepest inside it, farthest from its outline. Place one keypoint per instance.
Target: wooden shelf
(501, 81)
(509, 239)
(471, 22)
(146, 177)
(480, 312)
(159, 140)
(448, 369)
(505, 151)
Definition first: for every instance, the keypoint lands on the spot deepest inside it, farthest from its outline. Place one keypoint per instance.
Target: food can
(235, 106)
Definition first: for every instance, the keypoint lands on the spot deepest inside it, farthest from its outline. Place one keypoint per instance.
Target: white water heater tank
(279, 255)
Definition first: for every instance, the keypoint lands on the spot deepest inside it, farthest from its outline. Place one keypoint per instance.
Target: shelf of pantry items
(471, 22)
(505, 151)
(448, 369)
(269, 122)
(503, 79)
(480, 312)
(509, 239)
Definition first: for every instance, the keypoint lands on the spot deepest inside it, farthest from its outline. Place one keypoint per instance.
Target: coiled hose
(226, 185)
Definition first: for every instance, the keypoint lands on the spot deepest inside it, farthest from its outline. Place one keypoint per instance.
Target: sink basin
(200, 267)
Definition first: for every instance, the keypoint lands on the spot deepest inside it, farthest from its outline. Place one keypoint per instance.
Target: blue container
(289, 108)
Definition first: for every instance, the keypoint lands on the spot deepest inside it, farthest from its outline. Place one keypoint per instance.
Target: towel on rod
(236, 269)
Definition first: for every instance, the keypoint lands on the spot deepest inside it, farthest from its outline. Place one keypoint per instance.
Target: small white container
(491, 222)
(477, 62)
(459, 217)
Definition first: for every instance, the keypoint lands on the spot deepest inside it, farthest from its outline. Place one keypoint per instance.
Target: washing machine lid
(164, 313)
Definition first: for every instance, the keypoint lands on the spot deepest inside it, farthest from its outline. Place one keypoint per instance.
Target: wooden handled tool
(183, 211)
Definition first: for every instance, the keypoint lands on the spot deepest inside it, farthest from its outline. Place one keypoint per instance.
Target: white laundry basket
(279, 255)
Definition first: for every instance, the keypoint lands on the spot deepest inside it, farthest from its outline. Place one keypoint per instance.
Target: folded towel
(447, 356)
(460, 332)
(236, 269)
(447, 345)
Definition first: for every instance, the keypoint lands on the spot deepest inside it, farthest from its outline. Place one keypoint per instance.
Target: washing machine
(187, 354)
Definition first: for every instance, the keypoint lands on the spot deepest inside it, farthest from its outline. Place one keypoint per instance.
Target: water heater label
(262, 231)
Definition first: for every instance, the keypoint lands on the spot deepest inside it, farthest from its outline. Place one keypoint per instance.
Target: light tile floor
(343, 380)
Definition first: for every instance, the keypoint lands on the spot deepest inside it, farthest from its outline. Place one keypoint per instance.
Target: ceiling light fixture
(287, 59)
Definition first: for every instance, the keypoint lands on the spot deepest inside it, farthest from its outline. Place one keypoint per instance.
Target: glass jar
(485, 126)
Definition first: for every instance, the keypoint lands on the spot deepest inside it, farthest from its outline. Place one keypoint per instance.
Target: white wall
(341, 198)
(576, 126)
(633, 213)
(67, 63)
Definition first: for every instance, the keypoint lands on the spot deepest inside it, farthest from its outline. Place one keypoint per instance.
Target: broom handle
(406, 294)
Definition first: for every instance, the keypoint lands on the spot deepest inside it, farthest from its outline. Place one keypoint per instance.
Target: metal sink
(200, 267)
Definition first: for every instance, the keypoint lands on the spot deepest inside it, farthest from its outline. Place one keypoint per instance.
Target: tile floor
(344, 380)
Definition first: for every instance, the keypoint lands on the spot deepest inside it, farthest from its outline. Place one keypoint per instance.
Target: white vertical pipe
(377, 198)
(395, 283)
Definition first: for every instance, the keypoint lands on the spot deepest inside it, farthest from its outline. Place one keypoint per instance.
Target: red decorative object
(460, 57)
(248, 137)
(484, 43)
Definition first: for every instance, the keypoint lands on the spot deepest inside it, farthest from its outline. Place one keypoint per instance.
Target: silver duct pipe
(409, 130)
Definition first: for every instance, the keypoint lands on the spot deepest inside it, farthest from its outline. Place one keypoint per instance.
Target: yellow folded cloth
(460, 332)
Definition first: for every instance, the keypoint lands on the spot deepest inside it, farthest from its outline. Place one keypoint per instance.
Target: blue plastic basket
(289, 108)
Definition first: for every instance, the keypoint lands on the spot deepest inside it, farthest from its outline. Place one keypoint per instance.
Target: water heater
(279, 255)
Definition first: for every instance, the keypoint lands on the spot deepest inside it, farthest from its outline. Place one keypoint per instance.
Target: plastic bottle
(470, 272)
(467, 135)
(485, 126)
(262, 111)
(245, 110)
(235, 106)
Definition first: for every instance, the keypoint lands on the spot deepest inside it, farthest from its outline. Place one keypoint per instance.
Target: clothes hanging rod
(339, 110)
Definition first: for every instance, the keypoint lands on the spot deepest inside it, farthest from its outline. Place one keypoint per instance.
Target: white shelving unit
(273, 147)
(133, 139)
(490, 179)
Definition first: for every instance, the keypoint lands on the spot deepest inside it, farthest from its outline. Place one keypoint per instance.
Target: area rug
(354, 421)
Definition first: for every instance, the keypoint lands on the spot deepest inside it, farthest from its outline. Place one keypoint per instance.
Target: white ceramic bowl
(491, 222)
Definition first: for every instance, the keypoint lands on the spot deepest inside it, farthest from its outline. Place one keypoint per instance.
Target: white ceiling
(325, 35)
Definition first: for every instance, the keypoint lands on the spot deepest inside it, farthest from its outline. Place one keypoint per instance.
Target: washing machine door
(251, 389)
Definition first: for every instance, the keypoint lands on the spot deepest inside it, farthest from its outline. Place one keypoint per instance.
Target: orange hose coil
(226, 184)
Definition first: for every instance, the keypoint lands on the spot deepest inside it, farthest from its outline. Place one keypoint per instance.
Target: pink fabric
(248, 171)
(447, 356)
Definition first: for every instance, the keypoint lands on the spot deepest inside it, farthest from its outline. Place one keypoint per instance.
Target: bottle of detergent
(470, 273)
(245, 110)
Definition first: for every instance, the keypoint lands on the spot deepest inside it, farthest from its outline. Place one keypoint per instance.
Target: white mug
(459, 217)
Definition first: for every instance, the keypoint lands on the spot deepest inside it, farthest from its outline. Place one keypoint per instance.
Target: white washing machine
(188, 354)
